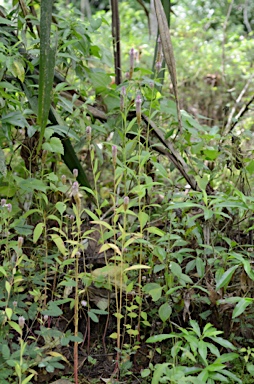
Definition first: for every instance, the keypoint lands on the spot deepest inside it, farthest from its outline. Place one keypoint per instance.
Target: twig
(229, 124)
(242, 111)
(245, 16)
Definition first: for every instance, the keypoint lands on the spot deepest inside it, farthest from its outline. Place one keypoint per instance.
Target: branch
(242, 111)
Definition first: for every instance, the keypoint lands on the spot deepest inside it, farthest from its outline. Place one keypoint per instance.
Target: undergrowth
(137, 260)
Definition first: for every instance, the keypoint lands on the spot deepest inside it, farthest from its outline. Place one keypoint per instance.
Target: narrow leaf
(47, 65)
(168, 52)
(241, 306)
(226, 277)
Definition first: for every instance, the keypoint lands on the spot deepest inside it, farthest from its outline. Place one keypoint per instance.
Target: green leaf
(226, 357)
(6, 351)
(241, 306)
(8, 312)
(14, 118)
(202, 349)
(175, 269)
(159, 372)
(158, 338)
(8, 287)
(211, 154)
(143, 218)
(161, 170)
(59, 243)
(15, 326)
(183, 205)
(63, 130)
(27, 379)
(165, 311)
(54, 145)
(223, 343)
(93, 316)
(61, 207)
(156, 231)
(195, 327)
(46, 68)
(37, 232)
(226, 277)
(250, 167)
(145, 372)
(53, 310)
(202, 182)
(200, 265)
(154, 290)
(232, 376)
(250, 368)
(16, 67)
(32, 184)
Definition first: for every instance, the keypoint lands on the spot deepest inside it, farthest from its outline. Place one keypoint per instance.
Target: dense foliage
(126, 214)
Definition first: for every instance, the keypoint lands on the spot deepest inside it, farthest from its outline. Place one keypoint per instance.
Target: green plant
(198, 348)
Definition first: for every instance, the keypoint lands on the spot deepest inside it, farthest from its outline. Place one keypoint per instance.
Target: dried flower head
(126, 201)
(114, 154)
(21, 322)
(132, 51)
(138, 108)
(89, 133)
(44, 156)
(20, 241)
(75, 194)
(122, 96)
(159, 50)
(72, 218)
(158, 66)
(75, 188)
(63, 179)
